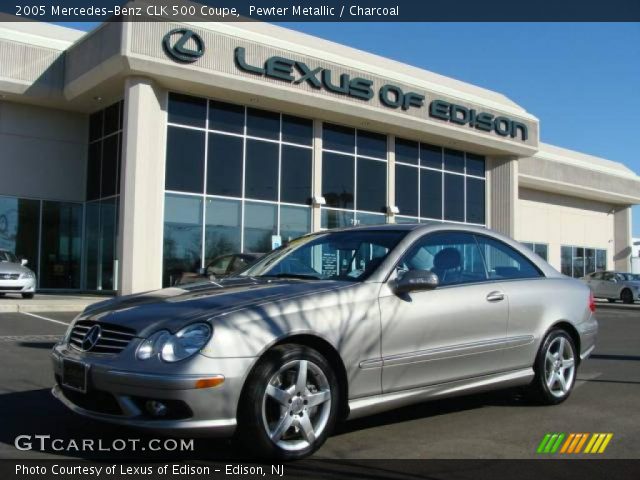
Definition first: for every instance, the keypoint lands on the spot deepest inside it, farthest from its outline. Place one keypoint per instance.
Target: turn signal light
(210, 382)
(592, 302)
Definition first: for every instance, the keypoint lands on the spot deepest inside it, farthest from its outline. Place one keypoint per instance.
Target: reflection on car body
(220, 267)
(334, 325)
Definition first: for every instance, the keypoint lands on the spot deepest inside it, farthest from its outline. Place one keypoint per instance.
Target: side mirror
(416, 280)
(24, 261)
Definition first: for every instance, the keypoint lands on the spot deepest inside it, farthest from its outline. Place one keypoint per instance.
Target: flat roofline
(584, 160)
(40, 34)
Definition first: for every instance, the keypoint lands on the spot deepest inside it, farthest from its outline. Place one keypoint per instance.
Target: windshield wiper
(293, 275)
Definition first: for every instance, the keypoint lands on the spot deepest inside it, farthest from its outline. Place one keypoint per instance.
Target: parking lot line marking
(45, 318)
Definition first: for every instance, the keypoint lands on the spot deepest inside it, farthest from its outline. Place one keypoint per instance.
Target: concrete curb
(41, 308)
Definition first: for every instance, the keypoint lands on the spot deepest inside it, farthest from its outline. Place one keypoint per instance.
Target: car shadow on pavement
(602, 356)
(39, 345)
(36, 412)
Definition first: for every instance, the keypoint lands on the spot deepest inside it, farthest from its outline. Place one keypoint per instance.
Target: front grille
(9, 276)
(113, 338)
(10, 289)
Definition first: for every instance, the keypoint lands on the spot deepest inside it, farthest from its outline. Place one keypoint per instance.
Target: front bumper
(116, 394)
(21, 285)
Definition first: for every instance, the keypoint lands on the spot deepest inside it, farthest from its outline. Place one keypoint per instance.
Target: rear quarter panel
(536, 305)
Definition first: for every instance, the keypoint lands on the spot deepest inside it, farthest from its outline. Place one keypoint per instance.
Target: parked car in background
(334, 325)
(15, 277)
(220, 267)
(614, 286)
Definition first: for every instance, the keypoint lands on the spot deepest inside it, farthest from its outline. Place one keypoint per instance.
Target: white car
(614, 286)
(15, 277)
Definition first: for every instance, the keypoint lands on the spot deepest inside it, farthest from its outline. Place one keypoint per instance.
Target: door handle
(495, 297)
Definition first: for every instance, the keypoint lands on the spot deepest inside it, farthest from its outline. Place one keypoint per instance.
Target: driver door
(453, 332)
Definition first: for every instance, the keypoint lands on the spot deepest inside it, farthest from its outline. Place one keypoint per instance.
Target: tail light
(592, 302)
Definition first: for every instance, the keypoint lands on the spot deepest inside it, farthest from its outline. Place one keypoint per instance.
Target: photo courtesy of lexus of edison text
(293, 239)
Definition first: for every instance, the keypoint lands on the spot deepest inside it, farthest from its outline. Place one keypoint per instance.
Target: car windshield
(348, 255)
(6, 256)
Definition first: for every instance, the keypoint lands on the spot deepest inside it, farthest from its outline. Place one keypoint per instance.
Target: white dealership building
(137, 151)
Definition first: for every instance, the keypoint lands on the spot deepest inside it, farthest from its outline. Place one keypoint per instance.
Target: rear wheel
(290, 403)
(626, 296)
(27, 295)
(555, 369)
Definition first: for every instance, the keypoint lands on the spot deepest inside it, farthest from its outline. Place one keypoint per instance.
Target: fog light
(156, 408)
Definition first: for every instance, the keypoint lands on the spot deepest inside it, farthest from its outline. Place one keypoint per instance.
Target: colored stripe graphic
(572, 443)
(550, 443)
(598, 443)
(567, 442)
(581, 443)
(543, 443)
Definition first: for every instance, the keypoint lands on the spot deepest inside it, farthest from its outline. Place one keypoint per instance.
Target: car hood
(173, 308)
(8, 267)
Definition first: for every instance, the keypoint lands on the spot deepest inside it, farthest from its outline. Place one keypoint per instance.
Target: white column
(622, 240)
(391, 177)
(316, 187)
(142, 186)
(502, 205)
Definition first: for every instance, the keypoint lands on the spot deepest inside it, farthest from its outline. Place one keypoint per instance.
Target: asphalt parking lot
(496, 425)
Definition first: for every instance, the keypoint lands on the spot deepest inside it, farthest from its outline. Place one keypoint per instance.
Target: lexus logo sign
(183, 45)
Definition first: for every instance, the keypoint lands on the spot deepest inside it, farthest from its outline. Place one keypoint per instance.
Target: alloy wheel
(296, 405)
(560, 367)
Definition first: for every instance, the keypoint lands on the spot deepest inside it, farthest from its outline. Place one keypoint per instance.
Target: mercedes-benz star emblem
(91, 338)
(183, 45)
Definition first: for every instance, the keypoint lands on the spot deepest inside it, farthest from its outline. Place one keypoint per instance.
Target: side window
(504, 262)
(607, 277)
(597, 276)
(453, 256)
(219, 266)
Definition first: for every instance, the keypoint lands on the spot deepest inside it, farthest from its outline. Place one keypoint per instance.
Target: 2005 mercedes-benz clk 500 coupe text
(334, 325)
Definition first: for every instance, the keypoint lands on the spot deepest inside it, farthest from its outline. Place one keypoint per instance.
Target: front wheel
(555, 369)
(290, 403)
(27, 295)
(626, 296)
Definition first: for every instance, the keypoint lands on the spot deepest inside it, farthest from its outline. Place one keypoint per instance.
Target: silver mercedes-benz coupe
(334, 325)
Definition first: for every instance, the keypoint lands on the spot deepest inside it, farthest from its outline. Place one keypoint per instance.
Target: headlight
(152, 345)
(28, 275)
(172, 348)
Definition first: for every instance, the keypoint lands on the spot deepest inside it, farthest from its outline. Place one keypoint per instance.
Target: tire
(1, 295)
(27, 295)
(544, 389)
(283, 424)
(611, 300)
(626, 296)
